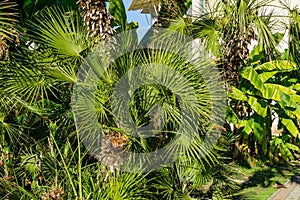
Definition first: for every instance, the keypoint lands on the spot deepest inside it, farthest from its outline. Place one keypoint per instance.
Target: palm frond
(8, 19)
(62, 31)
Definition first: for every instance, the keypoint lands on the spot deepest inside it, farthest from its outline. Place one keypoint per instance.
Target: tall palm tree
(229, 29)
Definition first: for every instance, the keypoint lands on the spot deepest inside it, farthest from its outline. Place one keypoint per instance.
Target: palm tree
(228, 30)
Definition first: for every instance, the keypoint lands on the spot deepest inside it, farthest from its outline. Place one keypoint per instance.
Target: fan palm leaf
(8, 19)
(8, 26)
(176, 99)
(62, 31)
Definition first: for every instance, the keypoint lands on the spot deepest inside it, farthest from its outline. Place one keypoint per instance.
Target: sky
(142, 19)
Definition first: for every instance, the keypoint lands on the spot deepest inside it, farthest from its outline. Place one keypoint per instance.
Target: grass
(258, 181)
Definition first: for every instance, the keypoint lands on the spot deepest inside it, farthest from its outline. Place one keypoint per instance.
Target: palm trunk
(235, 55)
(96, 18)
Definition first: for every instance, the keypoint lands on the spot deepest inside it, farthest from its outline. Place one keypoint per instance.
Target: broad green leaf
(293, 80)
(256, 54)
(296, 87)
(118, 11)
(288, 101)
(295, 98)
(292, 113)
(259, 132)
(282, 65)
(258, 106)
(267, 75)
(28, 6)
(278, 141)
(249, 126)
(242, 123)
(292, 146)
(237, 94)
(287, 153)
(288, 112)
(250, 74)
(275, 91)
(291, 127)
(272, 93)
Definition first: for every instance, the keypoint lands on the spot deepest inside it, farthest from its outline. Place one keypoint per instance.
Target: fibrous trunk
(97, 18)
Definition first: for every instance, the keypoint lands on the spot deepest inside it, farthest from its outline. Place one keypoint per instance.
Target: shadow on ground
(267, 178)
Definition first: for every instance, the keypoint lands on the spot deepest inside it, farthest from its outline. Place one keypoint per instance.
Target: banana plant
(266, 90)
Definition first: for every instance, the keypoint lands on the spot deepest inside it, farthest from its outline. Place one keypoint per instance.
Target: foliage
(41, 155)
(261, 84)
(62, 31)
(9, 30)
(29, 8)
(8, 20)
(266, 90)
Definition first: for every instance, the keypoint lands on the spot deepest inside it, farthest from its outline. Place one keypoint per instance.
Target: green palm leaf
(8, 19)
(62, 31)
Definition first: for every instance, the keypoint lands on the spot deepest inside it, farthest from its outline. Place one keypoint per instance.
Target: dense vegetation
(43, 45)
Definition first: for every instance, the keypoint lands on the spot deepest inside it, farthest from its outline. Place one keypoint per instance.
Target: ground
(261, 181)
